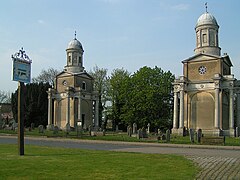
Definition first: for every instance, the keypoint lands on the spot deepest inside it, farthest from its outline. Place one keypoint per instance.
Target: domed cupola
(207, 35)
(74, 56)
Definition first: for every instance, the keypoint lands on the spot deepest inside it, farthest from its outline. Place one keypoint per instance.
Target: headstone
(55, 130)
(79, 131)
(129, 131)
(191, 134)
(163, 137)
(139, 134)
(134, 128)
(1, 123)
(40, 129)
(14, 125)
(68, 128)
(184, 131)
(199, 135)
(159, 132)
(144, 133)
(148, 128)
(32, 126)
(116, 128)
(168, 135)
(90, 129)
(237, 131)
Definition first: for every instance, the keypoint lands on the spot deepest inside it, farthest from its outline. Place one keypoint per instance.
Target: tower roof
(74, 44)
(206, 19)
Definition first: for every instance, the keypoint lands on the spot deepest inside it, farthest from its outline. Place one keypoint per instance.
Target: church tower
(73, 102)
(204, 95)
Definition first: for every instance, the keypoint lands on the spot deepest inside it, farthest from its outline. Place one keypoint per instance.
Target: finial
(75, 35)
(206, 7)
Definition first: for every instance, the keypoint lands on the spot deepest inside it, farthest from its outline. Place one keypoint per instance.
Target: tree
(149, 98)
(101, 82)
(117, 92)
(35, 103)
(5, 97)
(46, 76)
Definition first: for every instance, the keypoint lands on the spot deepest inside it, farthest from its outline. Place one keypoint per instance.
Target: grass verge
(64, 163)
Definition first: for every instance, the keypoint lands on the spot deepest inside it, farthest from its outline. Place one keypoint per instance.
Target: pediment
(81, 74)
(201, 57)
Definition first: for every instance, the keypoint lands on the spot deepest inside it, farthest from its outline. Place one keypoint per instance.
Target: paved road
(216, 162)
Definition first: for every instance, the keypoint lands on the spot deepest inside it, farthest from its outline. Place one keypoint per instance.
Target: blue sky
(114, 33)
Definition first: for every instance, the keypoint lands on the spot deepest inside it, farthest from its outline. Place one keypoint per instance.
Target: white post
(175, 115)
(49, 107)
(181, 113)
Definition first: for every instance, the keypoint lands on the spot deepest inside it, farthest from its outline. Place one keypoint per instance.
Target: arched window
(83, 85)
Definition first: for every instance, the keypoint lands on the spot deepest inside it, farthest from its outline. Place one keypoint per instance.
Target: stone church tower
(204, 95)
(73, 101)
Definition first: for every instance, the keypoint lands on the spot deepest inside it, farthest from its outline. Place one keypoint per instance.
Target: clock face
(64, 82)
(202, 70)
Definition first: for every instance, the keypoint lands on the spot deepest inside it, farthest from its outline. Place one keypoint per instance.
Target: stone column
(238, 109)
(79, 108)
(231, 110)
(175, 115)
(181, 113)
(50, 124)
(68, 108)
(216, 121)
(231, 113)
(96, 119)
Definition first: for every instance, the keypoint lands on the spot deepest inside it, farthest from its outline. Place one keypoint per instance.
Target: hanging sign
(21, 70)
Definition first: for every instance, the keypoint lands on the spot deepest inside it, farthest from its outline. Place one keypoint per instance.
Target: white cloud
(40, 21)
(181, 7)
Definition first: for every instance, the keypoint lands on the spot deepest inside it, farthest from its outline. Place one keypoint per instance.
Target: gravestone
(55, 130)
(168, 135)
(90, 129)
(116, 128)
(14, 125)
(144, 133)
(237, 131)
(40, 129)
(184, 131)
(1, 124)
(129, 131)
(199, 135)
(191, 135)
(159, 132)
(139, 134)
(148, 128)
(32, 126)
(134, 128)
(79, 131)
(68, 128)
(163, 137)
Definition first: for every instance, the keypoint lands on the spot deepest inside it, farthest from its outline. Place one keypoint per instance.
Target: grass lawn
(63, 163)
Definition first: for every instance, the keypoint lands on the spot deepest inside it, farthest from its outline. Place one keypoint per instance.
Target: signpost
(21, 72)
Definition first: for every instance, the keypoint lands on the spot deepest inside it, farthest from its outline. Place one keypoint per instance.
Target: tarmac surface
(216, 162)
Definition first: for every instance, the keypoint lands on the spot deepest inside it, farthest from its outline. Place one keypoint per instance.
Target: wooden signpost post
(21, 72)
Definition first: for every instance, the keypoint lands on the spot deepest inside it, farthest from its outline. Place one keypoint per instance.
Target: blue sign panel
(21, 70)
(21, 67)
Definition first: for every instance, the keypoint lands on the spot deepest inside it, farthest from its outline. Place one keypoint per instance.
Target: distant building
(73, 101)
(204, 95)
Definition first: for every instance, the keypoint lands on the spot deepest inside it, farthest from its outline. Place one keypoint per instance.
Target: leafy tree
(35, 103)
(117, 93)
(46, 76)
(149, 98)
(101, 85)
(5, 97)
